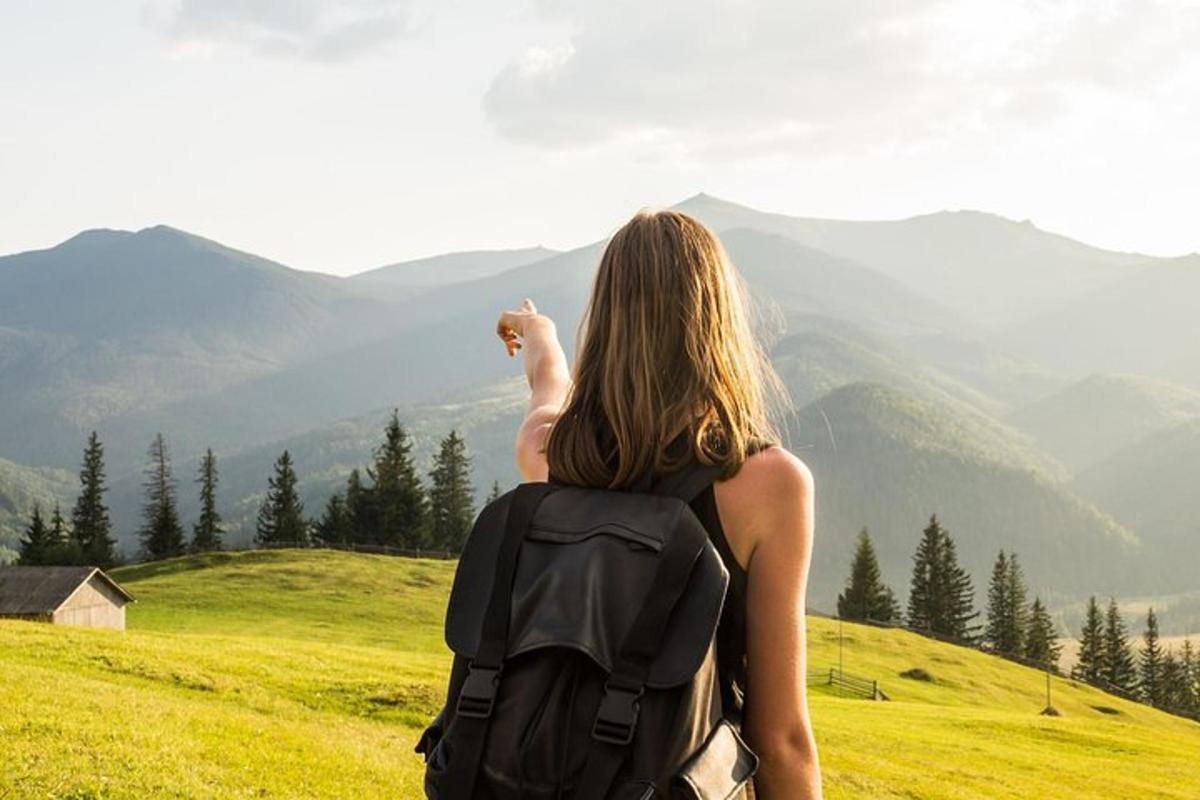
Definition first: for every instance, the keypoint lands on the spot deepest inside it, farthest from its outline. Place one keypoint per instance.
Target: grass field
(309, 674)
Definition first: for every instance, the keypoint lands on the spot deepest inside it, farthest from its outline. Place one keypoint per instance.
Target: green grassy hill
(310, 674)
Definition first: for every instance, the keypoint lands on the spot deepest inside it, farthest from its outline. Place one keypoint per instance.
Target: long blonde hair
(665, 348)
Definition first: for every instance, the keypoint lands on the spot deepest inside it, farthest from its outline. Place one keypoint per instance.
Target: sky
(340, 135)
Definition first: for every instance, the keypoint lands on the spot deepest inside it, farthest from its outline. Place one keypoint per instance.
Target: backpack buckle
(618, 715)
(478, 693)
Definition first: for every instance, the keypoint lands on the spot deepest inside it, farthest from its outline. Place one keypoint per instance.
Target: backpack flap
(585, 568)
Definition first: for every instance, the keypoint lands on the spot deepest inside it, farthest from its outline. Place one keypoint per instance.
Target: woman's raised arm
(549, 381)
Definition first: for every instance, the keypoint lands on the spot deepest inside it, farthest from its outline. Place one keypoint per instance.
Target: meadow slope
(307, 674)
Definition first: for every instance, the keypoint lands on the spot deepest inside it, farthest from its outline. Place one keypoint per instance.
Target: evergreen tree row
(162, 532)
(1015, 628)
(941, 597)
(1105, 657)
(87, 539)
(393, 507)
(1153, 674)
(941, 600)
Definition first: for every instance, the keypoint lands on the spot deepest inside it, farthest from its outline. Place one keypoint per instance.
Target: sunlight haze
(340, 136)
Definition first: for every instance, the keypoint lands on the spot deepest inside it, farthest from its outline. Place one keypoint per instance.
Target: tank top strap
(731, 628)
(705, 508)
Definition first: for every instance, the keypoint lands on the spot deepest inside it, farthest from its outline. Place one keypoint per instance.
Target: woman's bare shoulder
(774, 469)
(770, 492)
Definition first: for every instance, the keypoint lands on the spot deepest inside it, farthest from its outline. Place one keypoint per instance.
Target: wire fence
(356, 547)
(349, 547)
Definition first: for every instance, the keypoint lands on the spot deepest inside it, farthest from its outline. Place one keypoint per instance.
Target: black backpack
(583, 624)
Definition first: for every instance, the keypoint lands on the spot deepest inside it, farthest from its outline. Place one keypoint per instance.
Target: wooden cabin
(63, 596)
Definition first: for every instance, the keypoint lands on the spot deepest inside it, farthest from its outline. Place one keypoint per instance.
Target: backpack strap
(616, 718)
(482, 681)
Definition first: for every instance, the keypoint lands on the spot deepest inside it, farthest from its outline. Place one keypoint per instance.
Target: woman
(667, 358)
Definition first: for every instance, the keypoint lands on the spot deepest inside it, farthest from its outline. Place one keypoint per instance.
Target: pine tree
(960, 598)
(1189, 666)
(400, 502)
(1000, 634)
(452, 507)
(1089, 666)
(1007, 607)
(1019, 598)
(162, 533)
(941, 596)
(924, 594)
(1150, 664)
(866, 597)
(63, 549)
(493, 495)
(360, 509)
(1119, 671)
(36, 546)
(281, 514)
(1173, 680)
(1041, 645)
(90, 525)
(206, 533)
(58, 527)
(334, 526)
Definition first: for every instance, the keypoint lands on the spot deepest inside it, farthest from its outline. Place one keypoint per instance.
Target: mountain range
(956, 363)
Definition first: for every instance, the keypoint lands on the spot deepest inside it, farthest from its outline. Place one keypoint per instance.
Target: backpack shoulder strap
(688, 482)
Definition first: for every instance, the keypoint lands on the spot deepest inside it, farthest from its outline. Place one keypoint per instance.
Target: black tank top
(731, 629)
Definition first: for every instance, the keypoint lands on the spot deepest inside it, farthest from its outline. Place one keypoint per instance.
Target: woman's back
(667, 356)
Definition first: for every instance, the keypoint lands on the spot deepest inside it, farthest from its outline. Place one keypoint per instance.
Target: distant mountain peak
(973, 215)
(706, 200)
(162, 228)
(169, 232)
(104, 236)
(702, 201)
(93, 236)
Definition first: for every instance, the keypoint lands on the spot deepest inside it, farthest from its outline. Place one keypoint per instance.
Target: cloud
(763, 76)
(322, 30)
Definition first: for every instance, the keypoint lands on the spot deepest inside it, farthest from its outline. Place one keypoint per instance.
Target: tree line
(87, 538)
(941, 600)
(941, 604)
(389, 506)
(1151, 673)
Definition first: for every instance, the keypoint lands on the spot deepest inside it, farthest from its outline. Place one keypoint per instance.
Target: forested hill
(887, 461)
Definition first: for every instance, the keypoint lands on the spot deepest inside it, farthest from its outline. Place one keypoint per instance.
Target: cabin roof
(43, 590)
